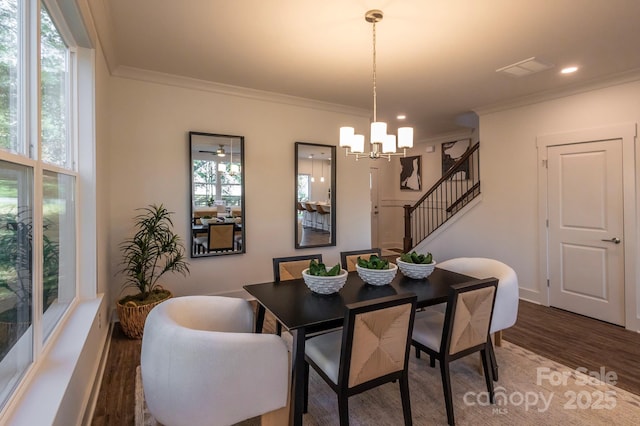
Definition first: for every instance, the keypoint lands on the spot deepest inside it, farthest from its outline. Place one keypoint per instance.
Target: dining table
(303, 312)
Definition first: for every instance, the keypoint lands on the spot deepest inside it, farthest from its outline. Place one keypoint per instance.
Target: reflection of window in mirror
(314, 202)
(217, 194)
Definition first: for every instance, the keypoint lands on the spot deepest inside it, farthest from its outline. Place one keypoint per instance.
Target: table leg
(297, 376)
(260, 318)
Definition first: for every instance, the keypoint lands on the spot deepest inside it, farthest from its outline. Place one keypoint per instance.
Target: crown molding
(448, 137)
(549, 95)
(102, 28)
(229, 90)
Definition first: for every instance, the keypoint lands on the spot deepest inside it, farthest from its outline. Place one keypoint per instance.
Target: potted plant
(416, 266)
(375, 270)
(153, 251)
(321, 280)
(16, 269)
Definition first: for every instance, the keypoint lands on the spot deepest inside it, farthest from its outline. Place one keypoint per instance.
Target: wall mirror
(315, 206)
(217, 194)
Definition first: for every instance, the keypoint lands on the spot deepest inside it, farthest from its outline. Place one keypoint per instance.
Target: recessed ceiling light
(401, 117)
(569, 70)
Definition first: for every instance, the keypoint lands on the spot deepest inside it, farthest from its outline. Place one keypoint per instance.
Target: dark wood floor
(570, 339)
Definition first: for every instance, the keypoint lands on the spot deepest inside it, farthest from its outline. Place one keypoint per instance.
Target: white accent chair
(505, 312)
(203, 365)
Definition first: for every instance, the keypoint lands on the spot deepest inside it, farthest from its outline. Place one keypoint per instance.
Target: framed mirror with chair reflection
(217, 194)
(315, 195)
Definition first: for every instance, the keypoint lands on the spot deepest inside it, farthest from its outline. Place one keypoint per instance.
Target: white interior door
(373, 188)
(586, 247)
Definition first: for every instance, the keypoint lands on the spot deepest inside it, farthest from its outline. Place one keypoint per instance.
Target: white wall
(149, 155)
(504, 225)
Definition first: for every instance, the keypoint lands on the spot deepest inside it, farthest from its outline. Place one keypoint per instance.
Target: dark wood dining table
(303, 312)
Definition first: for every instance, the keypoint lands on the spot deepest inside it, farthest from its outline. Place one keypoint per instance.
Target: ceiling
(436, 60)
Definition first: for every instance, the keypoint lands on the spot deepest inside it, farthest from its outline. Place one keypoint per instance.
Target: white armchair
(505, 311)
(202, 364)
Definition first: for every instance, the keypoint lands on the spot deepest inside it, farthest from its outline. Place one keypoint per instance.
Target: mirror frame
(332, 199)
(243, 249)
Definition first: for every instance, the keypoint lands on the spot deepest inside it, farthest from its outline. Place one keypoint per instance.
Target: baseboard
(95, 390)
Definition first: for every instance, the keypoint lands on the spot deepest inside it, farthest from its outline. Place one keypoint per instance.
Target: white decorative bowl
(416, 271)
(206, 221)
(377, 276)
(325, 285)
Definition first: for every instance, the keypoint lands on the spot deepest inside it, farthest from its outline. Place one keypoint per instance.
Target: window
(304, 186)
(215, 180)
(37, 185)
(9, 71)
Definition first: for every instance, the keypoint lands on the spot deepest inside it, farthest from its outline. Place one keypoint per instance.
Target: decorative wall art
(451, 153)
(411, 173)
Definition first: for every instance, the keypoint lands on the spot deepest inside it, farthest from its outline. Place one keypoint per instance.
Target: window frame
(80, 123)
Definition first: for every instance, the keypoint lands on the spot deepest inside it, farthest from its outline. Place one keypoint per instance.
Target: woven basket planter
(132, 318)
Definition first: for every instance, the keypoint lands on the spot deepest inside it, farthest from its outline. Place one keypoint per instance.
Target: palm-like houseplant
(154, 250)
(16, 273)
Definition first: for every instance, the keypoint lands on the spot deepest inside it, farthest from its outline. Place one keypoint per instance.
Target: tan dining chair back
(471, 319)
(462, 330)
(221, 237)
(290, 268)
(371, 350)
(349, 259)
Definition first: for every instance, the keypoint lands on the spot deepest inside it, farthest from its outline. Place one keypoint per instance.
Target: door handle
(614, 240)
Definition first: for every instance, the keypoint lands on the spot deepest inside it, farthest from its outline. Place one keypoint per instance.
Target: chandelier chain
(375, 102)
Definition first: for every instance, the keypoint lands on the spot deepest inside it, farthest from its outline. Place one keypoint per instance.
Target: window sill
(42, 397)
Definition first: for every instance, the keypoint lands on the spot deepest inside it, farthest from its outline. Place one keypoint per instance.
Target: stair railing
(454, 190)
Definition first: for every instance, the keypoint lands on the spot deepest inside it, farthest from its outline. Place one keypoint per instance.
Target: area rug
(531, 390)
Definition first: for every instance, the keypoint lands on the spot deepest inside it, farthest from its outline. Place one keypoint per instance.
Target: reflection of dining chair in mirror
(221, 237)
(236, 211)
(290, 268)
(221, 210)
(349, 259)
(323, 217)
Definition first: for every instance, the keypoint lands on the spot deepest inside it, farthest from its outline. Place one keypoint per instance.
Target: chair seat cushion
(427, 328)
(324, 351)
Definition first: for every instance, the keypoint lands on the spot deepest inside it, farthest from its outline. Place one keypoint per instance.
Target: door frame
(630, 180)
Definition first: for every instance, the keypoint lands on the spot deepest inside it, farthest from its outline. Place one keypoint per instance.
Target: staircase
(444, 199)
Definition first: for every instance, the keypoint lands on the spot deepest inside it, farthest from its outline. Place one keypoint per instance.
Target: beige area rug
(531, 390)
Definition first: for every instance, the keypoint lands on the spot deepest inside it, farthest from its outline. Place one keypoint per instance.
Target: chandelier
(383, 145)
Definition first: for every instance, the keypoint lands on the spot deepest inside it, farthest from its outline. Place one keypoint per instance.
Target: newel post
(407, 241)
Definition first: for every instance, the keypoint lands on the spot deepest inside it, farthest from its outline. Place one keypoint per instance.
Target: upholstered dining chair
(349, 259)
(290, 268)
(370, 350)
(462, 330)
(505, 312)
(201, 363)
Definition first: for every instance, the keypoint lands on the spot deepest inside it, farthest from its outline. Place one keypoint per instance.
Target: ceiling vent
(523, 68)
